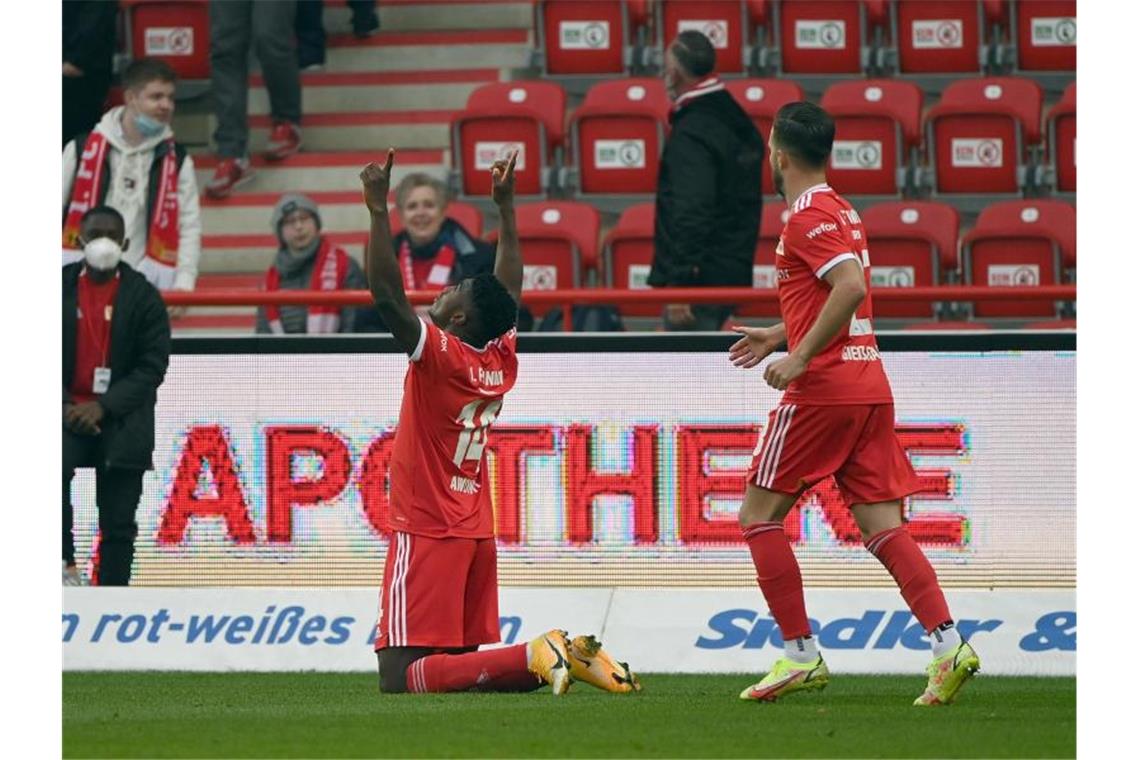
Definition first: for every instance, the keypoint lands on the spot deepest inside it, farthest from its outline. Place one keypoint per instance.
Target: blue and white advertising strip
(688, 630)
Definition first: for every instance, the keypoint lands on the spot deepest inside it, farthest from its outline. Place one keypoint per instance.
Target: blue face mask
(147, 126)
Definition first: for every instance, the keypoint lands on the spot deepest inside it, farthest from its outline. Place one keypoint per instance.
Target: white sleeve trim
(419, 352)
(832, 264)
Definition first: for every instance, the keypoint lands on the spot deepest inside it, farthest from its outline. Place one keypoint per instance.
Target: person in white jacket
(131, 163)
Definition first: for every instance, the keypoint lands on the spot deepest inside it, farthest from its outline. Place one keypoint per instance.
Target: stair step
(353, 131)
(317, 171)
(350, 91)
(419, 15)
(417, 51)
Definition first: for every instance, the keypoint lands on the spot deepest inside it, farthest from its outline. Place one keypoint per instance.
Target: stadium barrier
(567, 299)
(616, 466)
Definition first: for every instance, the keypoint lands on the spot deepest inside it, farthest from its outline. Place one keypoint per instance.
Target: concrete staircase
(398, 88)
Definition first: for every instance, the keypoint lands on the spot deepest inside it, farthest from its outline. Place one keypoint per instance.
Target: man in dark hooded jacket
(708, 186)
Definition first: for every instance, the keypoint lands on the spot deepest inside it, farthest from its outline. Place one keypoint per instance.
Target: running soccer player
(439, 599)
(836, 418)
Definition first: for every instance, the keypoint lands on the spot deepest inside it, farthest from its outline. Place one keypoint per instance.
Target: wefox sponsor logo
(820, 229)
(876, 629)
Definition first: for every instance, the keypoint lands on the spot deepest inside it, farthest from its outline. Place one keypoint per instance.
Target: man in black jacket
(708, 186)
(116, 345)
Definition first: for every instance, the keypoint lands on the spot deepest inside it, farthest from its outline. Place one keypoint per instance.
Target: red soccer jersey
(452, 394)
(822, 231)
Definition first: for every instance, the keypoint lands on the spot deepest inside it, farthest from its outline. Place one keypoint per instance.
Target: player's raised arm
(508, 257)
(380, 264)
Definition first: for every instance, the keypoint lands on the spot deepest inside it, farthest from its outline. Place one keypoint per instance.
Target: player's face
(452, 302)
(774, 160)
(672, 85)
(422, 215)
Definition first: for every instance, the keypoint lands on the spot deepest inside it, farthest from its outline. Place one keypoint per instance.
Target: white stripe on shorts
(397, 606)
(769, 436)
(768, 476)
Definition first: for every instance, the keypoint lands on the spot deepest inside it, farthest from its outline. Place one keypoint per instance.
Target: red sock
(502, 669)
(778, 574)
(910, 568)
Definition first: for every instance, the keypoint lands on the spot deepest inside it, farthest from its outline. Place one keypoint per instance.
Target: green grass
(343, 715)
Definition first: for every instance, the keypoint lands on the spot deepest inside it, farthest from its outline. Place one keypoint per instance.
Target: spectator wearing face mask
(306, 260)
(131, 163)
(116, 346)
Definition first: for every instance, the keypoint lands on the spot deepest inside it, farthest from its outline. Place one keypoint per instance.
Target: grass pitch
(342, 715)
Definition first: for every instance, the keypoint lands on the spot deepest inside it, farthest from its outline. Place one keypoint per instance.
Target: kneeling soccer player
(836, 417)
(439, 599)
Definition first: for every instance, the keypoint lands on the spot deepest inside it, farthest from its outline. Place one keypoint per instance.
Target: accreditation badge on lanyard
(100, 336)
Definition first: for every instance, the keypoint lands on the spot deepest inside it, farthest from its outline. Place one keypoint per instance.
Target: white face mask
(102, 253)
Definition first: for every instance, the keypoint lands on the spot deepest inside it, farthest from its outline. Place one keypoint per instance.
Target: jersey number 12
(474, 435)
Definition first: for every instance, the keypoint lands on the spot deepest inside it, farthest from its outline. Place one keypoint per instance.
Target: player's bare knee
(761, 505)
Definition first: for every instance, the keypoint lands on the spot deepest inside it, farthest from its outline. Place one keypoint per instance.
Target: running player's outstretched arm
(848, 289)
(380, 265)
(508, 257)
(756, 344)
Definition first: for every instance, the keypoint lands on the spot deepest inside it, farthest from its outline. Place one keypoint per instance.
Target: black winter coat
(708, 196)
(140, 352)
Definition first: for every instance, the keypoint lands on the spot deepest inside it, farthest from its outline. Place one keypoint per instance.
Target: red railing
(545, 299)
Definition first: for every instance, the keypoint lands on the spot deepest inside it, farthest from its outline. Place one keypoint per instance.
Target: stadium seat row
(984, 136)
(1021, 243)
(812, 37)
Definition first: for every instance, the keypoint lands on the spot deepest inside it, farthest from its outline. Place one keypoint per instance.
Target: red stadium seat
(469, 217)
(617, 135)
(502, 117)
(772, 220)
(586, 38)
(761, 99)
(938, 36)
(1046, 34)
(1020, 243)
(175, 31)
(722, 21)
(877, 126)
(1061, 124)
(561, 241)
(978, 135)
(821, 36)
(911, 244)
(628, 254)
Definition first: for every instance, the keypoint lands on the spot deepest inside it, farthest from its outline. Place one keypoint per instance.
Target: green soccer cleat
(948, 674)
(787, 677)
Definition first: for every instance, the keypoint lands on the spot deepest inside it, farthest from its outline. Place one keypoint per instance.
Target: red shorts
(438, 592)
(857, 444)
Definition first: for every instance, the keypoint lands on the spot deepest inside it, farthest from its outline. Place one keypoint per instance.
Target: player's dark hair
(695, 52)
(105, 211)
(143, 71)
(805, 131)
(496, 310)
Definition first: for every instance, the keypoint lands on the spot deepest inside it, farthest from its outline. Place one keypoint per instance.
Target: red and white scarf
(329, 273)
(704, 87)
(437, 277)
(162, 236)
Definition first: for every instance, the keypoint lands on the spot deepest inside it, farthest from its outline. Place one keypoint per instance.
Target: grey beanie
(289, 203)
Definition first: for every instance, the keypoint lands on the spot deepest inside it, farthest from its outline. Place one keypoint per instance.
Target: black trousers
(117, 493)
(83, 99)
(707, 318)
